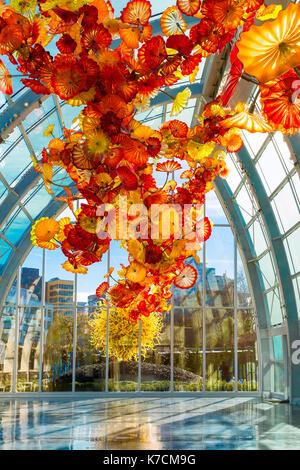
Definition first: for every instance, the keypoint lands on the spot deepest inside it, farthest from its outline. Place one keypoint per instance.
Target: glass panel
(277, 347)
(220, 268)
(7, 345)
(58, 343)
(296, 284)
(29, 349)
(246, 204)
(271, 174)
(247, 351)
(5, 253)
(188, 334)
(9, 142)
(243, 291)
(291, 244)
(234, 177)
(257, 235)
(273, 305)
(156, 372)
(36, 135)
(3, 190)
(267, 271)
(90, 363)
(254, 142)
(279, 382)
(16, 226)
(16, 162)
(214, 209)
(285, 218)
(296, 185)
(36, 201)
(219, 349)
(280, 144)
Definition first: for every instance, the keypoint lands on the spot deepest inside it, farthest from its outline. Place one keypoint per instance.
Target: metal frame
(281, 265)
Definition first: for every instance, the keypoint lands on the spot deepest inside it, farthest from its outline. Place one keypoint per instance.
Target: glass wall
(208, 341)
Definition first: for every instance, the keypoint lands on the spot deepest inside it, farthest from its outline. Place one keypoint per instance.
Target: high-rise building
(59, 293)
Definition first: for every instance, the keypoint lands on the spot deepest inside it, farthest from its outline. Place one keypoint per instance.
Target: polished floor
(148, 423)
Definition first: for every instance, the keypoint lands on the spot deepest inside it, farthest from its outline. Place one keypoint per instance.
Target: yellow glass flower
(123, 334)
(197, 151)
(98, 143)
(136, 272)
(49, 131)
(181, 101)
(136, 250)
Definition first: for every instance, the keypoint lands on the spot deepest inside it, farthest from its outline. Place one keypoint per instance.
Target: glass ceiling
(23, 198)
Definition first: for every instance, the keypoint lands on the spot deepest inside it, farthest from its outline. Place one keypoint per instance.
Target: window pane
(156, 372)
(58, 345)
(277, 347)
(90, 363)
(247, 351)
(243, 292)
(246, 204)
(254, 142)
(291, 244)
(273, 305)
(5, 252)
(234, 177)
(271, 174)
(296, 284)
(267, 271)
(219, 350)
(285, 218)
(28, 350)
(188, 333)
(214, 209)
(7, 346)
(257, 235)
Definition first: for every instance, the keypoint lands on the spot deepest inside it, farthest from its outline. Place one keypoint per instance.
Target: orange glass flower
(136, 272)
(247, 121)
(280, 102)
(270, 50)
(229, 13)
(137, 12)
(45, 229)
(189, 7)
(168, 166)
(172, 22)
(5, 80)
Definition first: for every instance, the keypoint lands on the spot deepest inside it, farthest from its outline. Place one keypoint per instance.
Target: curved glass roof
(261, 196)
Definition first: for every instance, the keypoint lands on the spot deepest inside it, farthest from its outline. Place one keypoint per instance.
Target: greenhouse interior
(150, 225)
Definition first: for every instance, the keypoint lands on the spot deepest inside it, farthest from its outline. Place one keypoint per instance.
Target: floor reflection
(148, 423)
